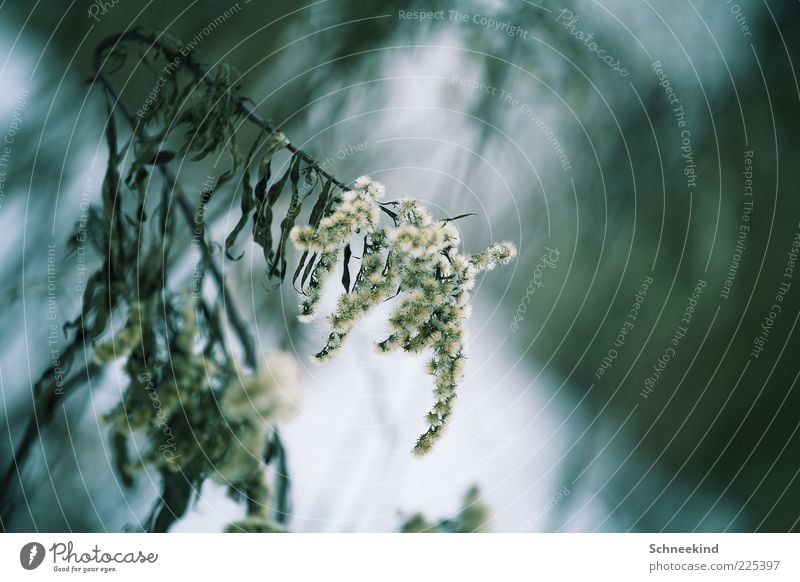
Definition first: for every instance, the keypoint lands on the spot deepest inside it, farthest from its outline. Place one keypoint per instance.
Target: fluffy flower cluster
(418, 257)
(357, 211)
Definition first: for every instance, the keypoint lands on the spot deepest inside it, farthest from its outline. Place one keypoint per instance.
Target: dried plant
(207, 409)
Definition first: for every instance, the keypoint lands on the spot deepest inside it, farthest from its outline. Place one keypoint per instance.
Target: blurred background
(634, 370)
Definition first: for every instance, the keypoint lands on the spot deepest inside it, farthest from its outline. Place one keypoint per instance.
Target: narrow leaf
(162, 158)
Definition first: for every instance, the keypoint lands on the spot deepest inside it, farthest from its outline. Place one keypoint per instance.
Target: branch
(43, 411)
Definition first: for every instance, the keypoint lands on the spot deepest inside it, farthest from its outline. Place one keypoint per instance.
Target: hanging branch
(172, 345)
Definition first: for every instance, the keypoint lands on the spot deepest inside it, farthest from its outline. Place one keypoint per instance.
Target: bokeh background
(553, 123)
